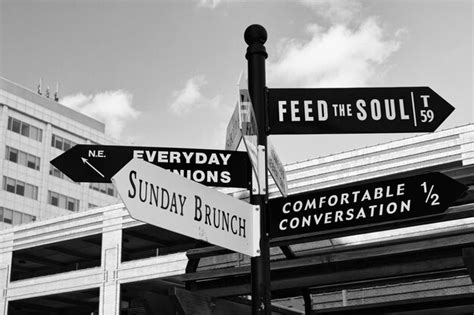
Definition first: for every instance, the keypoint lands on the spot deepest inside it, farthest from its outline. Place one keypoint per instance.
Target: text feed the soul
(320, 110)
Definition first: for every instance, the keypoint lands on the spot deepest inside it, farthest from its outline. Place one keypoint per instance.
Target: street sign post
(98, 163)
(156, 196)
(355, 110)
(255, 36)
(378, 202)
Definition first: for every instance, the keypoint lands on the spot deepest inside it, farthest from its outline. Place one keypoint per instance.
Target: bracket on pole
(259, 180)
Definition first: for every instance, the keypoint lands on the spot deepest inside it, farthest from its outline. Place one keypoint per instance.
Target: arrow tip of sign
(84, 160)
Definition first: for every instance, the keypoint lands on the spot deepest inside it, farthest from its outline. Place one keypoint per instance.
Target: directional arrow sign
(248, 123)
(98, 163)
(156, 196)
(356, 110)
(378, 202)
(276, 169)
(248, 126)
(234, 136)
(233, 133)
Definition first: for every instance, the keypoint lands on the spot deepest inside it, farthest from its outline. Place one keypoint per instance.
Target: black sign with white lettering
(355, 110)
(98, 163)
(380, 202)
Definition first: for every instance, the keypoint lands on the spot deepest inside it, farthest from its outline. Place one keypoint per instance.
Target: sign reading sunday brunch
(98, 163)
(156, 196)
(378, 202)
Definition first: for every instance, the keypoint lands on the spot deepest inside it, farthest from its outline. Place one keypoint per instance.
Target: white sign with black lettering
(156, 196)
(276, 169)
(233, 134)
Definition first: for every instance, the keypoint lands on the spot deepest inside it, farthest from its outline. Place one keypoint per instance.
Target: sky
(164, 73)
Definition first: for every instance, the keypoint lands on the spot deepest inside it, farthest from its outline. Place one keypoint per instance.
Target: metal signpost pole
(255, 36)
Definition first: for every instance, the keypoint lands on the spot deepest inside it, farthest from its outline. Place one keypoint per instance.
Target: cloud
(334, 56)
(190, 97)
(336, 11)
(114, 108)
(211, 4)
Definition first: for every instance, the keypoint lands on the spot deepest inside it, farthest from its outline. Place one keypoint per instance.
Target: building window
(9, 184)
(57, 173)
(63, 201)
(20, 188)
(8, 216)
(23, 158)
(25, 129)
(12, 154)
(105, 188)
(61, 143)
(15, 217)
(54, 199)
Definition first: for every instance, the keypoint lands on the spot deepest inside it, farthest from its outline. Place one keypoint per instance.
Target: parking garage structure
(102, 261)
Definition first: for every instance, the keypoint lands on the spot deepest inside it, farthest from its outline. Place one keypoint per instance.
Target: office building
(34, 129)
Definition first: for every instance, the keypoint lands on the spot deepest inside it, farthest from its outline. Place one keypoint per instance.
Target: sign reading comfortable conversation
(354, 206)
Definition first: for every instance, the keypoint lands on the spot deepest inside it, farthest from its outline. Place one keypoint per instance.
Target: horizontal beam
(146, 237)
(374, 274)
(436, 243)
(75, 302)
(458, 212)
(72, 252)
(357, 284)
(207, 251)
(194, 303)
(38, 260)
(96, 242)
(406, 259)
(22, 305)
(433, 303)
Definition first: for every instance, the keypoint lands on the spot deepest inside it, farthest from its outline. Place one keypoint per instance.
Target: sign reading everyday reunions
(355, 110)
(156, 196)
(378, 202)
(98, 163)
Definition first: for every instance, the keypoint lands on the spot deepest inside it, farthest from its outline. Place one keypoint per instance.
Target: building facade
(34, 129)
(103, 262)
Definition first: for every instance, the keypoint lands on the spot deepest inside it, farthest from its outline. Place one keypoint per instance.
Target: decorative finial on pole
(255, 36)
